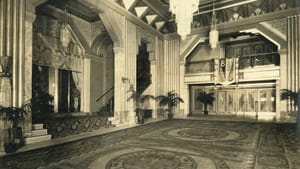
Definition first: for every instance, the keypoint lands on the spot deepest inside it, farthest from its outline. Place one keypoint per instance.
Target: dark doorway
(143, 72)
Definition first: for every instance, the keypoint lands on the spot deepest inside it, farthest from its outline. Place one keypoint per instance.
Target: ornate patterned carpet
(176, 144)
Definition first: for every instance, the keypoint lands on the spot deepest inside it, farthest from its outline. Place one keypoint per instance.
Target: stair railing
(104, 94)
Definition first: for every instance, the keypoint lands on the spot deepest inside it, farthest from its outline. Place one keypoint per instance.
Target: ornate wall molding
(61, 126)
(47, 51)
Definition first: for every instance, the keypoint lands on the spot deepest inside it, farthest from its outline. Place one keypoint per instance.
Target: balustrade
(247, 61)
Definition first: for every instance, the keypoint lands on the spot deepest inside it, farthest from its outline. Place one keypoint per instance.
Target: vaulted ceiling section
(156, 13)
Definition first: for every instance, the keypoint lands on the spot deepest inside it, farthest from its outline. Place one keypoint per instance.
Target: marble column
(27, 73)
(131, 50)
(119, 91)
(290, 77)
(184, 91)
(153, 88)
(284, 104)
(85, 104)
(12, 44)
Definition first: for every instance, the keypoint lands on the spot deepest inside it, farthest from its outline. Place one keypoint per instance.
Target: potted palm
(171, 100)
(12, 131)
(206, 99)
(139, 103)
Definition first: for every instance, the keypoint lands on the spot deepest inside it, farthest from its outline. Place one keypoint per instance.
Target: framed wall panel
(251, 94)
(242, 101)
(221, 101)
(229, 101)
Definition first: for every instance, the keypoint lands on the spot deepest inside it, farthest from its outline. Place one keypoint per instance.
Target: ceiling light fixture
(64, 31)
(213, 34)
(183, 11)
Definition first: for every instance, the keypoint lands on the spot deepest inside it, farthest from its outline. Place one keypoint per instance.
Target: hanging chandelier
(183, 11)
(64, 31)
(213, 34)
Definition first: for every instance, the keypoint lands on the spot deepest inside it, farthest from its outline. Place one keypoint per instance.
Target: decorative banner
(225, 71)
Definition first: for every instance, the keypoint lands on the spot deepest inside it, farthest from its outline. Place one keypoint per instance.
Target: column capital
(153, 62)
(119, 50)
(282, 51)
(32, 4)
(152, 56)
(30, 17)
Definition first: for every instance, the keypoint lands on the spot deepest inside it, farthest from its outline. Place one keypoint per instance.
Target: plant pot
(140, 120)
(140, 116)
(170, 115)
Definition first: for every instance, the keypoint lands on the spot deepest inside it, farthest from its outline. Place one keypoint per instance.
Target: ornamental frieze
(48, 51)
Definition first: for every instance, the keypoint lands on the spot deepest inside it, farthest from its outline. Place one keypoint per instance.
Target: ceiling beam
(227, 6)
(141, 11)
(159, 24)
(235, 26)
(150, 18)
(129, 3)
(97, 4)
(162, 14)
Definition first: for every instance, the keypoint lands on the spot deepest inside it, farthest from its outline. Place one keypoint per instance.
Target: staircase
(38, 134)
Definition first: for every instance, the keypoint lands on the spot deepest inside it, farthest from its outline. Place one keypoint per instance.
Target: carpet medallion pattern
(203, 134)
(174, 144)
(150, 159)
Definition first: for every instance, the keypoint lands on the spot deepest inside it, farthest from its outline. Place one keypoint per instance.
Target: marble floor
(173, 144)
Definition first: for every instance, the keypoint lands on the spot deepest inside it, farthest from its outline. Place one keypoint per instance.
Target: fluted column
(290, 63)
(12, 44)
(171, 65)
(26, 70)
(171, 69)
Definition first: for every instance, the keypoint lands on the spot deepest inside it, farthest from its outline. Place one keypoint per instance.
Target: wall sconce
(5, 66)
(125, 79)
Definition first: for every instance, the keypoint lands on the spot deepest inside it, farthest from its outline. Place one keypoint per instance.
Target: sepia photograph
(149, 84)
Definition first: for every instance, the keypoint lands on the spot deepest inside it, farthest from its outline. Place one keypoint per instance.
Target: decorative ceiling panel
(156, 12)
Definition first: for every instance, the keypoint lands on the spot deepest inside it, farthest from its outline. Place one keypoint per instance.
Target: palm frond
(163, 102)
(206, 98)
(160, 97)
(170, 100)
(143, 98)
(287, 94)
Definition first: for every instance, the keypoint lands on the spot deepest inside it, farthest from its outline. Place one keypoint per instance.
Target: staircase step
(115, 122)
(37, 126)
(37, 139)
(39, 132)
(120, 125)
(111, 118)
